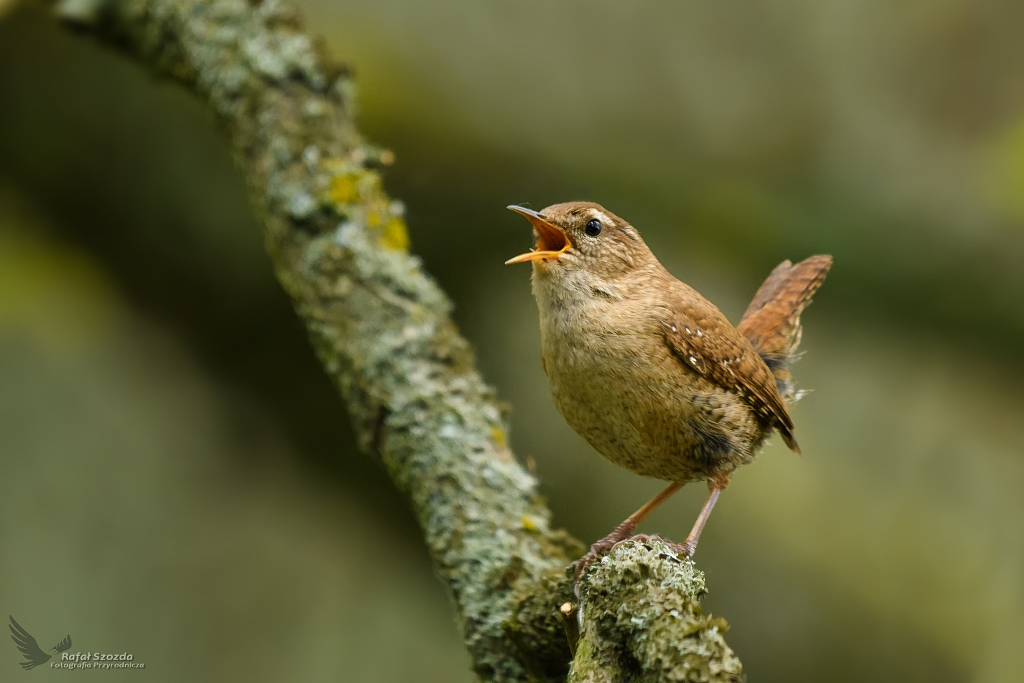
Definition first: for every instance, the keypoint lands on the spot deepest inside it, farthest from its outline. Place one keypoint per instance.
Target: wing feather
(704, 340)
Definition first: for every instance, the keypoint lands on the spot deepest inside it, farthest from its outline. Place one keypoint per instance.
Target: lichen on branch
(382, 329)
(643, 621)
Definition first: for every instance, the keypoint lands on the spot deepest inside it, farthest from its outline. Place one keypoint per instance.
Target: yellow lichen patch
(354, 186)
(358, 195)
(498, 437)
(395, 236)
(527, 523)
(344, 189)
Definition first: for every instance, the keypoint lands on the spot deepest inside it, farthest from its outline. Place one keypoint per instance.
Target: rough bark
(643, 621)
(382, 330)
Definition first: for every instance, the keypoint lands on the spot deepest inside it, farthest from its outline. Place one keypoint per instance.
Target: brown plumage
(772, 320)
(650, 372)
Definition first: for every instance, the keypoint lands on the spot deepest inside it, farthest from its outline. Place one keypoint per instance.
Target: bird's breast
(617, 384)
(604, 380)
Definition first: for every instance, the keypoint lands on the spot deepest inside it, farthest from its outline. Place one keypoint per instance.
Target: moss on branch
(643, 621)
(382, 329)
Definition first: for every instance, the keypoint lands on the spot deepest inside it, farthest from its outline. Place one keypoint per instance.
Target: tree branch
(382, 330)
(643, 621)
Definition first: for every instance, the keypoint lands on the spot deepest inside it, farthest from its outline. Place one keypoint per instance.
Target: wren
(648, 371)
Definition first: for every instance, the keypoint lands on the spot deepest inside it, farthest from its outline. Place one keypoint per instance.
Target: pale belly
(647, 412)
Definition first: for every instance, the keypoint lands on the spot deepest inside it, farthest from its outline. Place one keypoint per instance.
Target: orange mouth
(551, 241)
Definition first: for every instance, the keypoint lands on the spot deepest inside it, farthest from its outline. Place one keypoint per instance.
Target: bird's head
(582, 241)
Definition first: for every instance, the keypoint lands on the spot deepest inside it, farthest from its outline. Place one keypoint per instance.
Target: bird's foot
(621, 533)
(686, 549)
(596, 550)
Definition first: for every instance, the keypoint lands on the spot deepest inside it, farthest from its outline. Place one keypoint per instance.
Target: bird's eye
(594, 227)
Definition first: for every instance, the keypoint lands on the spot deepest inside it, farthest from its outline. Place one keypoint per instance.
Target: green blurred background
(177, 477)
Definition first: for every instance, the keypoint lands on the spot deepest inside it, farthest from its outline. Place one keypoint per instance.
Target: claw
(686, 550)
(621, 533)
(595, 552)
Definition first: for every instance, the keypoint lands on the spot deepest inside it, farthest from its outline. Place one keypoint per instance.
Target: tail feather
(772, 321)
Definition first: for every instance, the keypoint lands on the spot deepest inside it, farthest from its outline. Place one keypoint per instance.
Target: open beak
(551, 241)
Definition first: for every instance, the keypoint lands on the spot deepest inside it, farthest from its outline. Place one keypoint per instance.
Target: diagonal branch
(382, 330)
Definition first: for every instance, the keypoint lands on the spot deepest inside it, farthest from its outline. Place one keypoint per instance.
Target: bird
(649, 372)
(26, 643)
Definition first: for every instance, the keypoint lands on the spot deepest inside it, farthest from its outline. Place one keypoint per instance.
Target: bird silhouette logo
(34, 655)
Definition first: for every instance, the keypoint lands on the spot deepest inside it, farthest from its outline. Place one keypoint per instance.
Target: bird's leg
(716, 485)
(624, 530)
